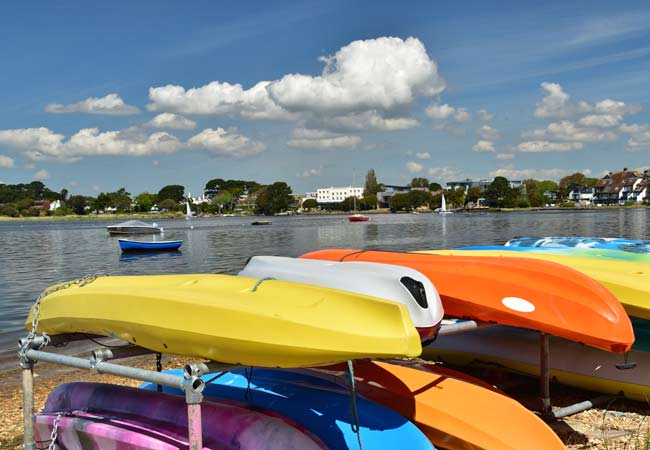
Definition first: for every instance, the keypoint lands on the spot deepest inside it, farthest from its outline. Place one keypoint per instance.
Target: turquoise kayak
(577, 252)
(626, 245)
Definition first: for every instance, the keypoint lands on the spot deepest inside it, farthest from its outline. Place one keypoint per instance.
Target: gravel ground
(620, 425)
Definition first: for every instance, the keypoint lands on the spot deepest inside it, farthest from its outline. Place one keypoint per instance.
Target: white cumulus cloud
(444, 173)
(313, 139)
(639, 141)
(523, 174)
(547, 146)
(505, 156)
(310, 173)
(555, 103)
(423, 155)
(41, 175)
(441, 112)
(6, 162)
(488, 132)
(633, 128)
(173, 121)
(225, 143)
(366, 84)
(111, 104)
(567, 131)
(601, 120)
(484, 146)
(413, 167)
(485, 115)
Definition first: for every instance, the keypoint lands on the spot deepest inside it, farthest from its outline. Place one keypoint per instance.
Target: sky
(99, 96)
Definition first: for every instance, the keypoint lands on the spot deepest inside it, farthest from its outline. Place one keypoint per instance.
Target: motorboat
(134, 227)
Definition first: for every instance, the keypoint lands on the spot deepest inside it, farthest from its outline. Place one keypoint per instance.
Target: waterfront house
(389, 191)
(582, 195)
(641, 191)
(481, 184)
(616, 188)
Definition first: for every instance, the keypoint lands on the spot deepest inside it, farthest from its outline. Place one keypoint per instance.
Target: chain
(36, 309)
(55, 432)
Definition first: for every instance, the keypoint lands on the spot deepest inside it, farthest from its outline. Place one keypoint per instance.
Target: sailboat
(443, 206)
(188, 210)
(356, 217)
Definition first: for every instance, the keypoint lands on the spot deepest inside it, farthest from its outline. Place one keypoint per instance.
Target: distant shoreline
(178, 215)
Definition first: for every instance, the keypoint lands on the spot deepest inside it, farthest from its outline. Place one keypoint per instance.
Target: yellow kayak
(628, 281)
(233, 319)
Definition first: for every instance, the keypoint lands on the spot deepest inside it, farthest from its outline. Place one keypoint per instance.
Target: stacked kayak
(232, 319)
(394, 283)
(318, 405)
(627, 245)
(104, 416)
(628, 281)
(538, 295)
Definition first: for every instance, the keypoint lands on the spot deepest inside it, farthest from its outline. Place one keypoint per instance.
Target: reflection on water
(35, 255)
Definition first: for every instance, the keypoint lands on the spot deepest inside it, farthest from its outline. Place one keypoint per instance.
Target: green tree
(535, 191)
(473, 194)
(64, 194)
(174, 192)
(144, 202)
(168, 204)
(500, 195)
(310, 203)
(63, 211)
(435, 187)
(274, 198)
(371, 187)
(78, 204)
(9, 210)
(102, 202)
(222, 200)
(455, 199)
(409, 200)
(368, 202)
(419, 182)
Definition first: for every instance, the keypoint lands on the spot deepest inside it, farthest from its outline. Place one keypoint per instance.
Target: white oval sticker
(518, 304)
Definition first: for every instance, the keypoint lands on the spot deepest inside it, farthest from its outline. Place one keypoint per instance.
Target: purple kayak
(99, 416)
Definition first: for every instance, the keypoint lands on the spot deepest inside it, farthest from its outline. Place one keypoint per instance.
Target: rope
(260, 281)
(354, 413)
(248, 395)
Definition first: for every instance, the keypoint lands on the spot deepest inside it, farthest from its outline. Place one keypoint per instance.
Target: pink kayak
(99, 416)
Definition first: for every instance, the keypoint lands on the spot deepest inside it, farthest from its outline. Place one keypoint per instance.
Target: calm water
(35, 255)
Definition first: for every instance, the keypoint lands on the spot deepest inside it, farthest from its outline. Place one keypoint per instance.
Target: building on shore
(616, 188)
(337, 194)
(582, 195)
(481, 184)
(390, 190)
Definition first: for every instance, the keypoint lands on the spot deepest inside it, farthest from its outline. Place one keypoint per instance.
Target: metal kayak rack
(30, 353)
(546, 409)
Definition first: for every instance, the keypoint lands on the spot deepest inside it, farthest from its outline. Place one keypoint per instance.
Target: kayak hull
(628, 281)
(449, 407)
(572, 364)
(149, 246)
(120, 417)
(233, 319)
(538, 295)
(318, 405)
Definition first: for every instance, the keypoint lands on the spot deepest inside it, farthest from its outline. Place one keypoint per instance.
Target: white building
(582, 195)
(308, 196)
(56, 204)
(337, 194)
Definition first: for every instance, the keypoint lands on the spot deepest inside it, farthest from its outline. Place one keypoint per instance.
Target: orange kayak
(520, 292)
(451, 411)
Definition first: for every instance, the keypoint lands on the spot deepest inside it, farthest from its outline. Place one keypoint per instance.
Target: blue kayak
(627, 245)
(322, 407)
(127, 245)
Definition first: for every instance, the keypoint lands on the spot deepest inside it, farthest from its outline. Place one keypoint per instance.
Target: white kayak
(389, 282)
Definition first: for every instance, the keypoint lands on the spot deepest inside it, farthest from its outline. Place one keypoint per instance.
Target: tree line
(22, 200)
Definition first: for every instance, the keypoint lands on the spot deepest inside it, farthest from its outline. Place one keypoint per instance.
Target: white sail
(188, 210)
(443, 207)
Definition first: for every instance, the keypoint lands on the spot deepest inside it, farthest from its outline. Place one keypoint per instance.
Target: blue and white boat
(127, 245)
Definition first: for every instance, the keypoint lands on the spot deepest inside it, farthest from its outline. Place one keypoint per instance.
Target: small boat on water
(134, 227)
(127, 245)
(443, 206)
(358, 218)
(261, 222)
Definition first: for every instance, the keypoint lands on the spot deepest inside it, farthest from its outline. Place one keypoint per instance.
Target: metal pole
(460, 327)
(126, 351)
(194, 422)
(545, 374)
(165, 379)
(29, 436)
(582, 406)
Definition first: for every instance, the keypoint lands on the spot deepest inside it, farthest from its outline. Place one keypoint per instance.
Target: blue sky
(142, 94)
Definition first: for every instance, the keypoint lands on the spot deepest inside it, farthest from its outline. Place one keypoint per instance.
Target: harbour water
(35, 255)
